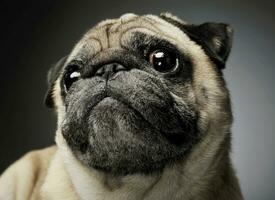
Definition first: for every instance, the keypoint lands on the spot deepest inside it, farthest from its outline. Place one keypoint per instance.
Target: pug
(143, 113)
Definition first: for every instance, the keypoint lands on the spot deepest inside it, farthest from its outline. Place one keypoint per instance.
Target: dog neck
(203, 173)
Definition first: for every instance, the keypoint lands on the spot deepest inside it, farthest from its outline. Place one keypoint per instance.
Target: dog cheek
(75, 135)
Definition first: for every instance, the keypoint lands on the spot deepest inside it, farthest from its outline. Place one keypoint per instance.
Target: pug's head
(139, 93)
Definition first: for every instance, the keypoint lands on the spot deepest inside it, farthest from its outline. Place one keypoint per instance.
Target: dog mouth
(129, 124)
(153, 113)
(151, 102)
(176, 137)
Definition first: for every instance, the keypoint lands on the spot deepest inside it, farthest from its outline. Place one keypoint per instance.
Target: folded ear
(214, 38)
(53, 75)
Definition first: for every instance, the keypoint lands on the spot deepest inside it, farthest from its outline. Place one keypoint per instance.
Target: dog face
(139, 93)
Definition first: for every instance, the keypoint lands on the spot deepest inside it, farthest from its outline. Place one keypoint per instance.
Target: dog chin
(127, 130)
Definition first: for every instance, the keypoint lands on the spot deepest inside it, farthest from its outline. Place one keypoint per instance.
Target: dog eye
(164, 61)
(71, 76)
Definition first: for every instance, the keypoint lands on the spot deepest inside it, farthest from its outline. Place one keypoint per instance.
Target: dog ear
(214, 38)
(52, 76)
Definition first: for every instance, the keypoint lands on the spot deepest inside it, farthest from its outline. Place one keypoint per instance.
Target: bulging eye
(164, 61)
(72, 75)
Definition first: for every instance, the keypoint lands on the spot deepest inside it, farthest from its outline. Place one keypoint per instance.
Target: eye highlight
(164, 61)
(71, 75)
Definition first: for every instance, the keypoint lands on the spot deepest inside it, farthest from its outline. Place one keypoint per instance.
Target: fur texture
(136, 133)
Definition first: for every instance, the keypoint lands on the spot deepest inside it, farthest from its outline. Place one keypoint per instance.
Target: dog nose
(109, 70)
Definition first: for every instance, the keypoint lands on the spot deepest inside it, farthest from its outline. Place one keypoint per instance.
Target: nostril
(118, 67)
(100, 71)
(109, 69)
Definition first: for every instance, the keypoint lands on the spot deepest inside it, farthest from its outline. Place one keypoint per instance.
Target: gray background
(36, 34)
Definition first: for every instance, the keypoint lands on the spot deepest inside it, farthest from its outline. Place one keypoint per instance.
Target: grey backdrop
(36, 34)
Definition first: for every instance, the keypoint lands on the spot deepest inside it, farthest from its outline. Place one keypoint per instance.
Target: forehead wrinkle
(158, 31)
(122, 22)
(106, 23)
(174, 34)
(155, 32)
(151, 28)
(131, 29)
(137, 21)
(91, 42)
(95, 30)
(117, 28)
(86, 47)
(148, 24)
(118, 25)
(96, 40)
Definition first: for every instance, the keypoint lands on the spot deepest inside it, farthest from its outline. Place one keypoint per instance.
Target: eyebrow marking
(132, 28)
(153, 28)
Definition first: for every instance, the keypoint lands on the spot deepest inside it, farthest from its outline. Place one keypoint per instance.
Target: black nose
(109, 70)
